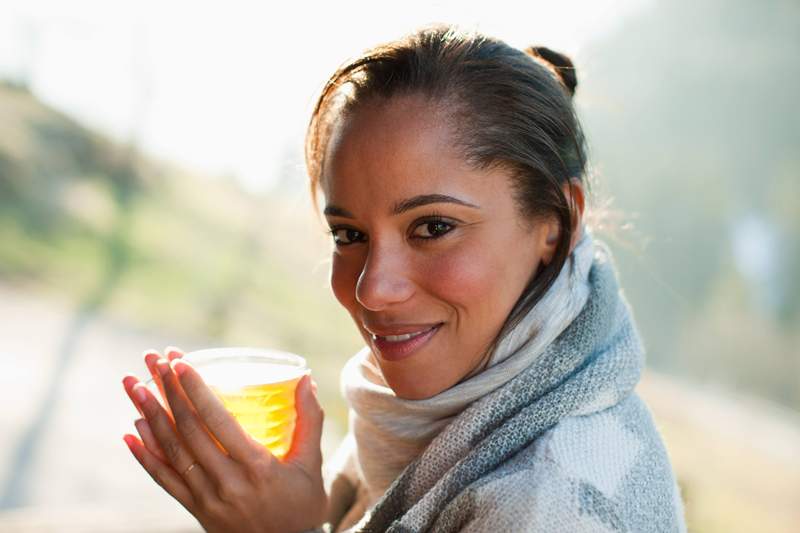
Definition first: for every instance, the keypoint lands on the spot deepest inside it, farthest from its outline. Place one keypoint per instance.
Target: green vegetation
(691, 111)
(86, 219)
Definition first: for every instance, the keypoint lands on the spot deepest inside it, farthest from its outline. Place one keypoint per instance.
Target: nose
(384, 280)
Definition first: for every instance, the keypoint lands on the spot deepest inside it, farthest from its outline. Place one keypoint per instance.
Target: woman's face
(430, 255)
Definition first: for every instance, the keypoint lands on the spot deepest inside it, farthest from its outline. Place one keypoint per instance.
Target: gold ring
(189, 468)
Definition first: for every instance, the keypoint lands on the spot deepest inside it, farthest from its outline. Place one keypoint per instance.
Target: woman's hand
(201, 456)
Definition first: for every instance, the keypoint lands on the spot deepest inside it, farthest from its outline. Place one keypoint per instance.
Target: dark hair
(507, 107)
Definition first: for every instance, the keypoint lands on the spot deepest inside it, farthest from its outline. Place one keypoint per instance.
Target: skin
(236, 484)
(464, 271)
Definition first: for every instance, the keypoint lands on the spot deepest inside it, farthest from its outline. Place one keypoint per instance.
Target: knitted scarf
(549, 369)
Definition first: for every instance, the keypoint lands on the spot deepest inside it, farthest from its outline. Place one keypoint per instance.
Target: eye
(432, 229)
(346, 236)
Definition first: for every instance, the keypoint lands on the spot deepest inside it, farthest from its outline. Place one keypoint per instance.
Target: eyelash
(424, 221)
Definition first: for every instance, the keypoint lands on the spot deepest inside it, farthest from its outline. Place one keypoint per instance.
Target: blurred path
(123, 182)
(737, 458)
(79, 475)
(62, 440)
(732, 453)
(13, 492)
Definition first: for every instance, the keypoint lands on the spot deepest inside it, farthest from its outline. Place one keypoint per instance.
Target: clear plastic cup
(257, 386)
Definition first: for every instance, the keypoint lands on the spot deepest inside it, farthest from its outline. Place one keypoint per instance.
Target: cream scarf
(390, 432)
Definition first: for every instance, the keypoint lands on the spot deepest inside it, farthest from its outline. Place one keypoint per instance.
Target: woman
(495, 390)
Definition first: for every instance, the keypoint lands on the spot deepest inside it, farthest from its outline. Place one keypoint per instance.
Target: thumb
(306, 448)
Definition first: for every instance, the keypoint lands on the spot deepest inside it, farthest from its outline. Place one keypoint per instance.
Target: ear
(573, 192)
(551, 228)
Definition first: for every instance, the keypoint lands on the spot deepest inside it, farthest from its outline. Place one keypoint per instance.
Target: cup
(257, 386)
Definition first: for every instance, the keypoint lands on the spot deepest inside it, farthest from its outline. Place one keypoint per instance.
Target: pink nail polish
(140, 393)
(179, 366)
(163, 367)
(170, 350)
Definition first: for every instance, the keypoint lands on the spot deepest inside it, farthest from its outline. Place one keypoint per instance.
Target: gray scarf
(590, 365)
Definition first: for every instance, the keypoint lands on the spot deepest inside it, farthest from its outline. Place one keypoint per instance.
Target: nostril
(375, 291)
(384, 277)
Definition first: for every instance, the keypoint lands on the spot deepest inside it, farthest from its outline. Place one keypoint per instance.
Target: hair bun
(560, 63)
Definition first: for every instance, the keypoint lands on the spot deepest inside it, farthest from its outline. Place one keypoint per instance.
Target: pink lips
(395, 351)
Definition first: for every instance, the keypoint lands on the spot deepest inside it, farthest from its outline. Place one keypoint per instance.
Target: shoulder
(606, 471)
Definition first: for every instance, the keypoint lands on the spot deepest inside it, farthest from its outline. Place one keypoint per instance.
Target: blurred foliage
(692, 117)
(94, 221)
(735, 457)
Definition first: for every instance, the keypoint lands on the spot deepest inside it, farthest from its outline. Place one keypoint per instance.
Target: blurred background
(153, 193)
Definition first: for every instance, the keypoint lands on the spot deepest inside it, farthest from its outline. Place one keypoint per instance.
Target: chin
(409, 388)
(414, 394)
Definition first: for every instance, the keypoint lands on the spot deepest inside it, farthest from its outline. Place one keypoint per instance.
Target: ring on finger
(189, 468)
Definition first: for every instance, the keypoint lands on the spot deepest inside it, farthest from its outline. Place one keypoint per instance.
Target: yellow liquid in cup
(260, 396)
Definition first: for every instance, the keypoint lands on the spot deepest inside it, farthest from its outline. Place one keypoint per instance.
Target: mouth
(400, 345)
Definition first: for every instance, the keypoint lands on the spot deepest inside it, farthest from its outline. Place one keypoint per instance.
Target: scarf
(564, 444)
(390, 432)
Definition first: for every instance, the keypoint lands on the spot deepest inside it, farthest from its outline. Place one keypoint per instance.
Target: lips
(396, 343)
(403, 336)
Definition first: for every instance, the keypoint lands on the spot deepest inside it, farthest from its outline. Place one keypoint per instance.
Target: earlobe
(574, 188)
(552, 235)
(550, 242)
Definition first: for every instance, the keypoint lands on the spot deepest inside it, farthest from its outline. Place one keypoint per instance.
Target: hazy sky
(227, 87)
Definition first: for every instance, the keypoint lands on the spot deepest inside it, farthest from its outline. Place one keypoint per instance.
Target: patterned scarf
(590, 366)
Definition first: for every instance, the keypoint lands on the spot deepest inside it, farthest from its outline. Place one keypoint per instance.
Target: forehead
(392, 148)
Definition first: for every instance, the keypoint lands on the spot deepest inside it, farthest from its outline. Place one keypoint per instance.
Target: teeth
(398, 338)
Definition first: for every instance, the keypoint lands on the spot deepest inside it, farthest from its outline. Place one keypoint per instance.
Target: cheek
(463, 277)
(344, 276)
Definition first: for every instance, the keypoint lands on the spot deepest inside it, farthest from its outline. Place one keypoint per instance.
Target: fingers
(306, 448)
(151, 357)
(173, 353)
(191, 427)
(161, 472)
(128, 382)
(177, 454)
(222, 425)
(149, 440)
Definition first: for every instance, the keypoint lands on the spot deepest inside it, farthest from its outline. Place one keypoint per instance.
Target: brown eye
(345, 236)
(432, 229)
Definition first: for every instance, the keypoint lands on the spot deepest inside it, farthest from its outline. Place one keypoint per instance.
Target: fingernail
(129, 441)
(140, 393)
(150, 361)
(179, 366)
(163, 367)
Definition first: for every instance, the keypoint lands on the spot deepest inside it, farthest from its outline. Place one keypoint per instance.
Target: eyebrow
(405, 205)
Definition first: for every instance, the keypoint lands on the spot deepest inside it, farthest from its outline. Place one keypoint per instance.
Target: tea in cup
(257, 386)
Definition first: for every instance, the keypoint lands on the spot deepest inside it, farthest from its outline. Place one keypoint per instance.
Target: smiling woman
(421, 240)
(495, 390)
